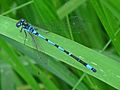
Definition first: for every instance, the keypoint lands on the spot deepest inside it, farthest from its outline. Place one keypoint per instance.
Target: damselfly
(29, 28)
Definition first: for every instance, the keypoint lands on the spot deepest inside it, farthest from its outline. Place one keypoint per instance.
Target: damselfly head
(20, 23)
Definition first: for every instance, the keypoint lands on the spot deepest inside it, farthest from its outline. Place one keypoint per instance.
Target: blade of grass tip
(11, 10)
(19, 68)
(68, 7)
(81, 78)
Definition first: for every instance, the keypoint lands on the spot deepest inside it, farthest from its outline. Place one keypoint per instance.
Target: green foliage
(92, 25)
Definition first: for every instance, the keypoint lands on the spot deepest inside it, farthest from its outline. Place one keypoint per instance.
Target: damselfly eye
(18, 24)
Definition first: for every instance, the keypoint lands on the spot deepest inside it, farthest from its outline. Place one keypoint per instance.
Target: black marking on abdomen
(32, 30)
(66, 52)
(26, 26)
(78, 59)
(46, 39)
(56, 45)
(36, 33)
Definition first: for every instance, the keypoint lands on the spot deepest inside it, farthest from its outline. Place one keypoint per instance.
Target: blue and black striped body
(28, 28)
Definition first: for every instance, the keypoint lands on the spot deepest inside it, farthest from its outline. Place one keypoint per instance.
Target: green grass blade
(79, 81)
(55, 67)
(7, 78)
(113, 6)
(18, 67)
(90, 33)
(43, 77)
(11, 10)
(110, 24)
(68, 7)
(107, 68)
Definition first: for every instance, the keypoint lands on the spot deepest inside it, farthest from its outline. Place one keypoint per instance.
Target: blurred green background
(90, 29)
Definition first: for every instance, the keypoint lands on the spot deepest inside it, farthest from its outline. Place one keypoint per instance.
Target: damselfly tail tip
(91, 68)
(94, 70)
